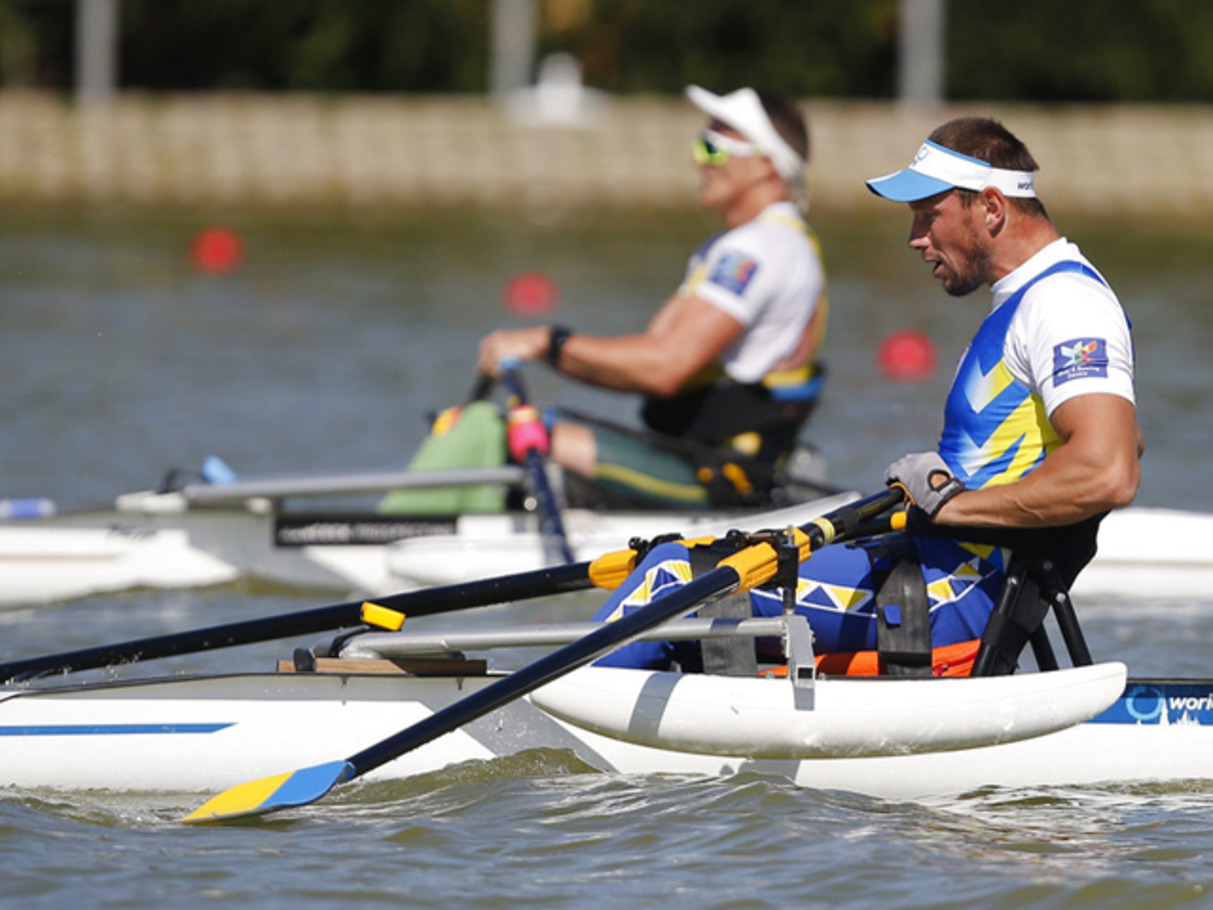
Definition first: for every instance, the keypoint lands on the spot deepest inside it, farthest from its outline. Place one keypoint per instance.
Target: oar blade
(271, 794)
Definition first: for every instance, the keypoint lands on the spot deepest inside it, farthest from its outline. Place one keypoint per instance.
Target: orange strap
(949, 660)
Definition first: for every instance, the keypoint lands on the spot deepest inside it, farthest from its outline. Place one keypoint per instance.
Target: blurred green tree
(1026, 50)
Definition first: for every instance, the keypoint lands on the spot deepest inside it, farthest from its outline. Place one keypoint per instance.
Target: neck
(1025, 237)
(751, 204)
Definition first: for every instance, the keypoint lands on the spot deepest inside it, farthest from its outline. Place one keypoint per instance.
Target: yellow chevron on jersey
(1016, 445)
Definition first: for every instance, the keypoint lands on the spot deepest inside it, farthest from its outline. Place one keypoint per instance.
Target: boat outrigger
(392, 704)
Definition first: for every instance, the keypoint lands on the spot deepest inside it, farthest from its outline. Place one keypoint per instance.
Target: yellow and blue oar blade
(270, 794)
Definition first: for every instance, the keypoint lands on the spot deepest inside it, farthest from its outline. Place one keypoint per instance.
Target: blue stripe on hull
(108, 729)
(1160, 702)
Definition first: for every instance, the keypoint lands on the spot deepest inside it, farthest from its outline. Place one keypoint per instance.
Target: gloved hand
(524, 430)
(926, 478)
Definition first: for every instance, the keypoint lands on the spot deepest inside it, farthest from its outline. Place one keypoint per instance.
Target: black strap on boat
(903, 620)
(724, 656)
(1017, 615)
(1032, 588)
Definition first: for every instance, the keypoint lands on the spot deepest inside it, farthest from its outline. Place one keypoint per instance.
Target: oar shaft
(724, 579)
(852, 518)
(717, 582)
(483, 592)
(551, 525)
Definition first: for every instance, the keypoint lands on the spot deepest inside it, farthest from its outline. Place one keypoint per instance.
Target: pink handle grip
(525, 431)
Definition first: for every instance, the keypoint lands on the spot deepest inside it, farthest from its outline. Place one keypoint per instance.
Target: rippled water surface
(324, 351)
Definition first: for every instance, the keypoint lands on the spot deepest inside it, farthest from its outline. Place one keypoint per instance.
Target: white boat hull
(202, 735)
(834, 718)
(158, 541)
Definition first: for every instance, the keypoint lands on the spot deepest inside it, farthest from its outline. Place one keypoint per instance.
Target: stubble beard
(976, 260)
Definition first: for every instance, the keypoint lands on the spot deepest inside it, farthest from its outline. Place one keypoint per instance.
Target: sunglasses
(713, 148)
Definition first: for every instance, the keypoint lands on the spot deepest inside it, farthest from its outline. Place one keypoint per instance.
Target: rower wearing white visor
(728, 366)
(1040, 437)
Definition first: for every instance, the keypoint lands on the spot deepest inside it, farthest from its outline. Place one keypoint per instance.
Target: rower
(1040, 435)
(729, 364)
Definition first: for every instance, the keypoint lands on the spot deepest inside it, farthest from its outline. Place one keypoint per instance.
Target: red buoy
(217, 250)
(530, 294)
(907, 356)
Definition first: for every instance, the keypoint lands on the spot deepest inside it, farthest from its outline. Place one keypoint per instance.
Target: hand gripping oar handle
(741, 571)
(551, 526)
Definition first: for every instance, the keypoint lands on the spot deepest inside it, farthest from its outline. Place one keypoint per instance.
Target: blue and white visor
(936, 169)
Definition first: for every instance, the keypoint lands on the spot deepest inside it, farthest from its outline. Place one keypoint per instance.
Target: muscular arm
(685, 335)
(1093, 470)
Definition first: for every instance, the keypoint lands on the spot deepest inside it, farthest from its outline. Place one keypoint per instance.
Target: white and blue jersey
(1044, 342)
(1056, 331)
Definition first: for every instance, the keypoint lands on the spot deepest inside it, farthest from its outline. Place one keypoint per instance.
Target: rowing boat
(214, 534)
(891, 738)
(392, 704)
(206, 534)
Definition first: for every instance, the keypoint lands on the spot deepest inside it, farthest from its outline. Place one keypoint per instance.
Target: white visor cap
(743, 111)
(936, 169)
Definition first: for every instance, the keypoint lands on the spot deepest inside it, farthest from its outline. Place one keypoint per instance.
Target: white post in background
(514, 29)
(96, 50)
(921, 67)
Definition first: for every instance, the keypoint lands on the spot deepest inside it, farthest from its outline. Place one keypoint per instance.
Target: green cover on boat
(475, 440)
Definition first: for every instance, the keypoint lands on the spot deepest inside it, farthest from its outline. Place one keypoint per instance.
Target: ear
(994, 206)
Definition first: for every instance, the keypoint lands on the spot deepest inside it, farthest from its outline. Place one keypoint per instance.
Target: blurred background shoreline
(379, 153)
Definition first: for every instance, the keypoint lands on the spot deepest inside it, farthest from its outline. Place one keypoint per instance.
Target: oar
(551, 526)
(745, 569)
(606, 571)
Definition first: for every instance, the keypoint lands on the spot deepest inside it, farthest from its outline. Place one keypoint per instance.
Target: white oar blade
(271, 794)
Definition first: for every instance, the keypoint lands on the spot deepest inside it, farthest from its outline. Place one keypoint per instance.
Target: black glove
(926, 478)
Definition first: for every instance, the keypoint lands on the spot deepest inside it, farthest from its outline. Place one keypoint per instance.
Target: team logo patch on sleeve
(1081, 358)
(733, 272)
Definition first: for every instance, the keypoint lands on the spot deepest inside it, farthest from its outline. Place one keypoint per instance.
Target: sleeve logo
(1081, 358)
(733, 272)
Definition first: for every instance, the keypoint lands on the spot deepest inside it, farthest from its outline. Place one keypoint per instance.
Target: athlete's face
(949, 235)
(722, 185)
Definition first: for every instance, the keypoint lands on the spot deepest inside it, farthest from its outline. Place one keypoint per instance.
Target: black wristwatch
(559, 335)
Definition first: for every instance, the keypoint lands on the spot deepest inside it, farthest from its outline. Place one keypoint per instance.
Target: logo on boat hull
(1162, 704)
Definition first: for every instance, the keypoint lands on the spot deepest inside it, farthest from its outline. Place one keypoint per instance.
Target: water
(323, 352)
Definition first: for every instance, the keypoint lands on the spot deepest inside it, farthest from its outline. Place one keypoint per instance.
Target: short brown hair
(788, 121)
(988, 140)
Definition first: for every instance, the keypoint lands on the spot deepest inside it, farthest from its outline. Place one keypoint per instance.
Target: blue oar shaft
(599, 642)
(551, 525)
(307, 785)
(482, 592)
(840, 523)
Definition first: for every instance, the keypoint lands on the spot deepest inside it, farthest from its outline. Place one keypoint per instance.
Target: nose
(918, 235)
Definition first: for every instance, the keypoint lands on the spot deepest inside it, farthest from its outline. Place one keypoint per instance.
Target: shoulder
(1071, 302)
(1065, 290)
